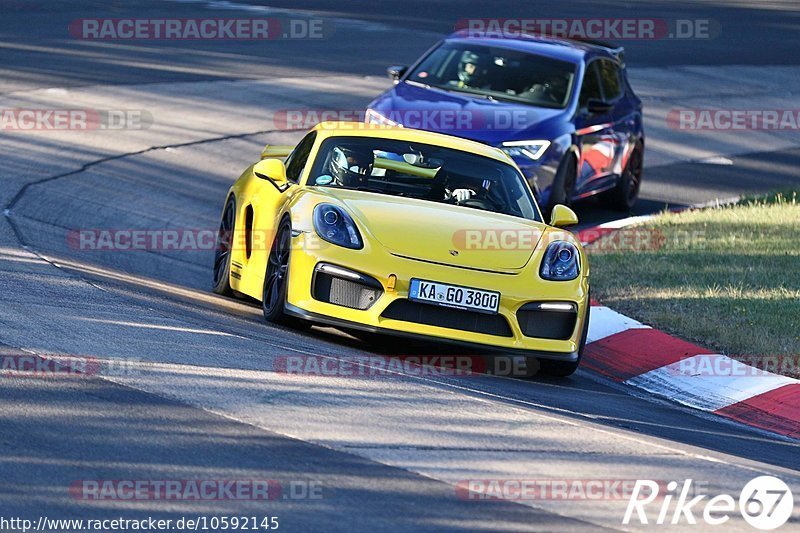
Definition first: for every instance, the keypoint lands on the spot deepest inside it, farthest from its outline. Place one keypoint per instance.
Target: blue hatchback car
(562, 109)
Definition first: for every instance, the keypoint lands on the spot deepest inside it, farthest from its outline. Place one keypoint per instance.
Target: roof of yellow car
(361, 129)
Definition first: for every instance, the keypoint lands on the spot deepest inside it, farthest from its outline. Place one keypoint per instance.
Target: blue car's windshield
(499, 73)
(422, 171)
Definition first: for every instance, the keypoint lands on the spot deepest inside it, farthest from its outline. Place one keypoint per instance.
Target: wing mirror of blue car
(273, 171)
(562, 216)
(598, 107)
(396, 72)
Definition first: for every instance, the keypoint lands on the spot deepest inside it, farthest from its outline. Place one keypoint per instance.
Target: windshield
(498, 73)
(424, 172)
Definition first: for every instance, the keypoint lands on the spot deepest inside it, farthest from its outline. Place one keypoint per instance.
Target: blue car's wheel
(624, 196)
(563, 188)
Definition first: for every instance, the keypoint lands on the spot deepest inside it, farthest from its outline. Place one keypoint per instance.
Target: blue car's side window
(591, 85)
(610, 77)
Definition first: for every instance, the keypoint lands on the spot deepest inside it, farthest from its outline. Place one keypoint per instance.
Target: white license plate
(433, 292)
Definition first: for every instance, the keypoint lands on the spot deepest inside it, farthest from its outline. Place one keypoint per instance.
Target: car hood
(442, 233)
(464, 115)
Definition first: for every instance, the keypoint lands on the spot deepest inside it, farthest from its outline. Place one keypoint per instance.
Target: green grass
(727, 278)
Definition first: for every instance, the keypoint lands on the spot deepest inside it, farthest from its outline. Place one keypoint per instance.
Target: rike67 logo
(765, 503)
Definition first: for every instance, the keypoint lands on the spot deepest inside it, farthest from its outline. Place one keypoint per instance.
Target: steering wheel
(479, 203)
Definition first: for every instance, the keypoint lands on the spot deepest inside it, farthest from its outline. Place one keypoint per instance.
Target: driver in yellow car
(354, 167)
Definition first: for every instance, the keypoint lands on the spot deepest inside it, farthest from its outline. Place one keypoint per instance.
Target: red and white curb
(632, 353)
(589, 235)
(637, 355)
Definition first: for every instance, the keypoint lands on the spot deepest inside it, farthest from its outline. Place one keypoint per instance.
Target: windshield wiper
(499, 98)
(378, 191)
(465, 91)
(418, 84)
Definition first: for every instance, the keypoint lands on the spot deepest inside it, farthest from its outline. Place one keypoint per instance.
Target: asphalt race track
(193, 393)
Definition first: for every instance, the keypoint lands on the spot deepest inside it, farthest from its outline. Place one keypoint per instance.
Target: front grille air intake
(547, 320)
(344, 287)
(447, 317)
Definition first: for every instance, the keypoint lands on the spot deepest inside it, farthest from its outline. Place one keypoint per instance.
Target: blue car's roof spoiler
(615, 50)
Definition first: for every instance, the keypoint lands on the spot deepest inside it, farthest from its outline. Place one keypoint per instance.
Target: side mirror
(563, 216)
(598, 107)
(272, 170)
(396, 72)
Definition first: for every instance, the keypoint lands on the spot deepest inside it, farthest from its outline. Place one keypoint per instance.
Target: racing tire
(276, 280)
(563, 187)
(625, 195)
(223, 250)
(562, 369)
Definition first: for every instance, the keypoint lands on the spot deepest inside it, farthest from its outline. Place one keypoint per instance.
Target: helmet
(468, 67)
(351, 166)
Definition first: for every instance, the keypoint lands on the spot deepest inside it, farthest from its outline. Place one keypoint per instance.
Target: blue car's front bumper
(541, 173)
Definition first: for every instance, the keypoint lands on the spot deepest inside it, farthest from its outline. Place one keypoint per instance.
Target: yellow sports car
(400, 231)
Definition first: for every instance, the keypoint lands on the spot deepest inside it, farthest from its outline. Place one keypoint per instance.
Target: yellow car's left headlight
(561, 262)
(333, 224)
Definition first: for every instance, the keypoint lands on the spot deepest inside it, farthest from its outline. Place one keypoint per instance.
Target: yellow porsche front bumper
(391, 311)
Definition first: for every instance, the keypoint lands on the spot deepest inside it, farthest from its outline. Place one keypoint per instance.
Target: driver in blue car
(470, 71)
